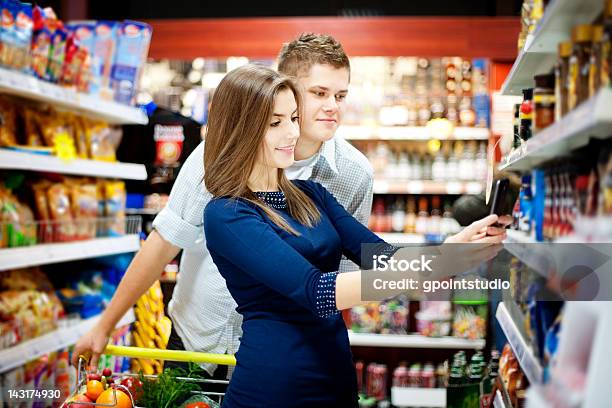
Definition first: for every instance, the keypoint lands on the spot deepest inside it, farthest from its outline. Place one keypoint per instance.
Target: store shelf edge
(412, 341)
(27, 86)
(524, 354)
(359, 132)
(43, 254)
(34, 348)
(14, 160)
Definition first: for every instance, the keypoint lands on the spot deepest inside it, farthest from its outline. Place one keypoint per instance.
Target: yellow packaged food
(115, 197)
(99, 138)
(84, 201)
(8, 123)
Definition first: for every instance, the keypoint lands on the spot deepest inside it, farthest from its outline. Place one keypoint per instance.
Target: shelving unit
(26, 86)
(58, 339)
(539, 54)
(592, 119)
(44, 254)
(400, 238)
(392, 186)
(399, 133)
(413, 341)
(15, 160)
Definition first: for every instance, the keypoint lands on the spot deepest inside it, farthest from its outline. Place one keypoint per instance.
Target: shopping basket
(157, 354)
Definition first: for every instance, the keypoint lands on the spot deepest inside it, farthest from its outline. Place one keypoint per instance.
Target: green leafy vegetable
(167, 391)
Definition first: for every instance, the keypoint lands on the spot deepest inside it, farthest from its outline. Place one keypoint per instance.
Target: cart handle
(173, 355)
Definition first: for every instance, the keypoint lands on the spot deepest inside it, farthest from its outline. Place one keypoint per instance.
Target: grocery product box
(132, 49)
(105, 43)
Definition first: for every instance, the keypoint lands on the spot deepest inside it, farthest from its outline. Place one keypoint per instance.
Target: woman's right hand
(90, 345)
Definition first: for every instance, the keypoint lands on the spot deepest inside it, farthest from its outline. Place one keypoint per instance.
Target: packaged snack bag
(8, 8)
(101, 142)
(31, 121)
(102, 58)
(84, 36)
(73, 60)
(132, 49)
(16, 34)
(57, 54)
(114, 192)
(8, 124)
(44, 26)
(80, 136)
(85, 209)
(59, 210)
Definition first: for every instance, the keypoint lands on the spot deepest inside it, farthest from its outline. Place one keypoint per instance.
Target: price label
(64, 147)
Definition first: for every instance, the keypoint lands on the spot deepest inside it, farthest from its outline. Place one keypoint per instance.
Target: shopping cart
(158, 354)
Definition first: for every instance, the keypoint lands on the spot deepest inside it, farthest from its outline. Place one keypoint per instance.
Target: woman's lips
(286, 149)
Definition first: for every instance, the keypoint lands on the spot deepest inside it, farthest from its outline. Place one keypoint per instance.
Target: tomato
(94, 389)
(134, 385)
(79, 398)
(123, 400)
(198, 404)
(94, 376)
(107, 372)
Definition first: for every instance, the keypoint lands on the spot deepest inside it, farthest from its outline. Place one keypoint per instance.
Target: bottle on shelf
(561, 79)
(421, 220)
(480, 171)
(438, 171)
(435, 220)
(578, 74)
(526, 115)
(452, 163)
(410, 219)
(398, 218)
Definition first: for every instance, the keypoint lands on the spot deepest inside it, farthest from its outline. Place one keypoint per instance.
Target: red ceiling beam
(491, 37)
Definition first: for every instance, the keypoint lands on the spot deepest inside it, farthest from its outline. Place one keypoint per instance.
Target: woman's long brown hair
(239, 117)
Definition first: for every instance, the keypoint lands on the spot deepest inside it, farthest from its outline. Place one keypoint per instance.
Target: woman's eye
(319, 93)
(275, 124)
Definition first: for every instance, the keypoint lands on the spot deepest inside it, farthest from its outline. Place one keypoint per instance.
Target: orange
(123, 400)
(94, 389)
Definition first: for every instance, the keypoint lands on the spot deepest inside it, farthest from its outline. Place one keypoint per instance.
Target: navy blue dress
(294, 351)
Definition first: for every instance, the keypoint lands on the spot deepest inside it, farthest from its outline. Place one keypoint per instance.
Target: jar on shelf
(578, 78)
(595, 61)
(543, 101)
(561, 79)
(606, 46)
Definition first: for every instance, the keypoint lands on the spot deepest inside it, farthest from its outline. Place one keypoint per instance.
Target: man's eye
(295, 118)
(275, 124)
(340, 97)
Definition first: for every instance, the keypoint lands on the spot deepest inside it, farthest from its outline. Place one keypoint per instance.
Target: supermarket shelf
(26, 86)
(142, 211)
(69, 251)
(412, 341)
(36, 162)
(399, 238)
(58, 339)
(514, 334)
(349, 132)
(540, 51)
(389, 186)
(418, 397)
(592, 118)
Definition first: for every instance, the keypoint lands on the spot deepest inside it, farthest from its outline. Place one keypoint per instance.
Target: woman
(278, 245)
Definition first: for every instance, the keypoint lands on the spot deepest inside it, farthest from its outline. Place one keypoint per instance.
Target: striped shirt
(202, 309)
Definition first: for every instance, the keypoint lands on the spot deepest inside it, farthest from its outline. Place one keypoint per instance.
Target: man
(202, 310)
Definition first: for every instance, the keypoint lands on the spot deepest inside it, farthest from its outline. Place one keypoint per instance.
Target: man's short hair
(298, 56)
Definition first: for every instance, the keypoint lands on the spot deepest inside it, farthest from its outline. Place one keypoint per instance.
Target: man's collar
(328, 151)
